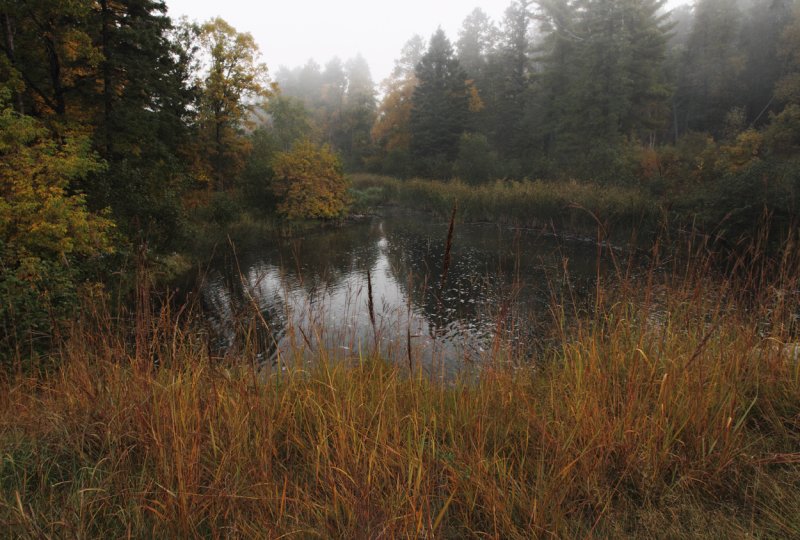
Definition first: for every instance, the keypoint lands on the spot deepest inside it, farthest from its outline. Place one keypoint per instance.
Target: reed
(448, 248)
(564, 206)
(671, 409)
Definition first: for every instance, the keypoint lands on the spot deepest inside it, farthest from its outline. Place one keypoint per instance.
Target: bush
(309, 183)
(46, 231)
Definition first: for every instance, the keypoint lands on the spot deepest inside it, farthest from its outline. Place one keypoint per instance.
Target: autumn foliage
(45, 227)
(309, 182)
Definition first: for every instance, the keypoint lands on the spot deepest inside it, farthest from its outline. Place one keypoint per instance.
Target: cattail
(370, 303)
(448, 247)
(408, 328)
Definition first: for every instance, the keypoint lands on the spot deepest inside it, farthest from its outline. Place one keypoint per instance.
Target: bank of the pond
(563, 207)
(669, 411)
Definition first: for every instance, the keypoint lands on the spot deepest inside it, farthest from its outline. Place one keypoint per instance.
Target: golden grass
(670, 411)
(566, 206)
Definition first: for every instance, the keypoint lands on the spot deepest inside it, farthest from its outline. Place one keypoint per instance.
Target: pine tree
(604, 80)
(507, 100)
(712, 67)
(440, 111)
(476, 40)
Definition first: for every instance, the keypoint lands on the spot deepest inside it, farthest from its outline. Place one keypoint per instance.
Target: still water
(296, 297)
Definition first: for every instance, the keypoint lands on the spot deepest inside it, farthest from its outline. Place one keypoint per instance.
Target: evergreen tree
(142, 124)
(604, 79)
(507, 100)
(440, 111)
(476, 40)
(762, 29)
(709, 80)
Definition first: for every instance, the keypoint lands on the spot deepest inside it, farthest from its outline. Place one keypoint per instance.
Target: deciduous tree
(232, 84)
(309, 182)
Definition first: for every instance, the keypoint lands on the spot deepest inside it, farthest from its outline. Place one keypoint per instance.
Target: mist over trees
(580, 88)
(341, 101)
(608, 91)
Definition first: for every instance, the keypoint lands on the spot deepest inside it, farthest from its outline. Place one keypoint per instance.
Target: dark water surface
(310, 293)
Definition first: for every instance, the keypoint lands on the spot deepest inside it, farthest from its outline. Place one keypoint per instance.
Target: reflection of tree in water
(321, 259)
(238, 322)
(498, 278)
(316, 285)
(253, 289)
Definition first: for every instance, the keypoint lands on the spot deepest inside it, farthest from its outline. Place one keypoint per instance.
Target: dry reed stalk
(370, 302)
(448, 248)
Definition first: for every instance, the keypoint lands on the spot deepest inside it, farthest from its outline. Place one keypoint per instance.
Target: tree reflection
(310, 292)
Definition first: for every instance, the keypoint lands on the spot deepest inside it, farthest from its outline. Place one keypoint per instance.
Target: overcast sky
(290, 32)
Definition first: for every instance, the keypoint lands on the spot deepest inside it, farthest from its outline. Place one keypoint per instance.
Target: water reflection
(304, 295)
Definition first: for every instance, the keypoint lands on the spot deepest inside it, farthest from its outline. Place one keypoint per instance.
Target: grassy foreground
(672, 410)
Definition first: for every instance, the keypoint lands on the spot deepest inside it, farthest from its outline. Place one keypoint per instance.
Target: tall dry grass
(669, 409)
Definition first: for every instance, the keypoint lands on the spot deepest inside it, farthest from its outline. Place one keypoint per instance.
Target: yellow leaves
(38, 217)
(309, 182)
(392, 127)
(744, 151)
(475, 102)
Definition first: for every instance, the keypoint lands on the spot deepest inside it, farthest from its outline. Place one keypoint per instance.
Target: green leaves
(45, 227)
(440, 109)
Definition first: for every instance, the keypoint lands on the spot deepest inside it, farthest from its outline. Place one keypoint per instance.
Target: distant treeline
(563, 88)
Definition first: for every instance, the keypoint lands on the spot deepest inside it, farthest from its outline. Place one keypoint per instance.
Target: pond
(296, 297)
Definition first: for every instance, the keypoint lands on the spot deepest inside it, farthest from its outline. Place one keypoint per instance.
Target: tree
(475, 42)
(782, 135)
(712, 67)
(141, 126)
(50, 50)
(391, 131)
(233, 83)
(289, 121)
(476, 162)
(46, 230)
(109, 68)
(358, 115)
(508, 93)
(440, 112)
(604, 81)
(309, 183)
(762, 31)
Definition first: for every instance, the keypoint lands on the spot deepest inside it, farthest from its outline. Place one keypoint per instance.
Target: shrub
(309, 182)
(46, 231)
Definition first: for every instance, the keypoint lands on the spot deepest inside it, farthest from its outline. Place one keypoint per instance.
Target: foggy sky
(291, 32)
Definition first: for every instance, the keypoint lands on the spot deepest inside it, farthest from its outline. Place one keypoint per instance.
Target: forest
(666, 404)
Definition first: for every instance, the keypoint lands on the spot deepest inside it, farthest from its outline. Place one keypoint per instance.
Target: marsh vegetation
(542, 281)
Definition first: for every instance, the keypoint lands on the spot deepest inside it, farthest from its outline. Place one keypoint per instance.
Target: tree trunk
(108, 82)
(59, 101)
(9, 35)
